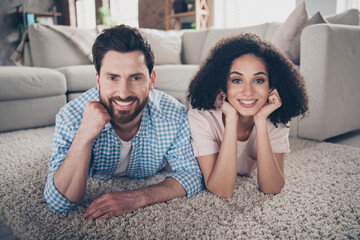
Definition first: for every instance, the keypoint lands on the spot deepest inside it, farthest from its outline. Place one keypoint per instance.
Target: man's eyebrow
(112, 74)
(136, 74)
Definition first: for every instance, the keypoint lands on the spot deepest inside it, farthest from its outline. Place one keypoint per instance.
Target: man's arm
(117, 203)
(69, 164)
(71, 177)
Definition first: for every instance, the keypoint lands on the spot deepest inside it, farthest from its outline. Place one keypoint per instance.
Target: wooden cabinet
(200, 16)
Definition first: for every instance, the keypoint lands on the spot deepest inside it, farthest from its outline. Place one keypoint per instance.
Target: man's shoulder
(75, 107)
(164, 106)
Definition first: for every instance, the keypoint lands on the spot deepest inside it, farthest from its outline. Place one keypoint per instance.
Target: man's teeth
(247, 102)
(123, 103)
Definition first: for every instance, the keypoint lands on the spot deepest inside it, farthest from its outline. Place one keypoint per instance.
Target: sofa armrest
(330, 63)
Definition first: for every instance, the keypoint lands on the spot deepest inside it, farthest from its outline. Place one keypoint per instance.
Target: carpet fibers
(321, 199)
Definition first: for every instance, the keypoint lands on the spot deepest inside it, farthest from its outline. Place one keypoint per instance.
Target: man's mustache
(128, 99)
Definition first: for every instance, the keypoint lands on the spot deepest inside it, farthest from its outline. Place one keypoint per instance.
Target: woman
(242, 99)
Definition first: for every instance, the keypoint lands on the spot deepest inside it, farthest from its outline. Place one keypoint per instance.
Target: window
(241, 13)
(121, 12)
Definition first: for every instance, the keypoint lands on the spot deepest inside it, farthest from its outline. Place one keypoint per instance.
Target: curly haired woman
(242, 99)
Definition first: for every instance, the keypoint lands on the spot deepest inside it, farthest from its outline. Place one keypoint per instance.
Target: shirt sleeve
(279, 137)
(62, 139)
(180, 156)
(202, 133)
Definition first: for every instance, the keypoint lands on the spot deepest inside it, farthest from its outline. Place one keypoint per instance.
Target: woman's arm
(270, 166)
(220, 169)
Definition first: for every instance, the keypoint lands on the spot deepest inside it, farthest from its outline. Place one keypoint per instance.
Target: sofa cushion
(271, 29)
(294, 49)
(192, 45)
(288, 30)
(50, 48)
(30, 82)
(79, 78)
(349, 17)
(175, 79)
(165, 44)
(29, 113)
(216, 34)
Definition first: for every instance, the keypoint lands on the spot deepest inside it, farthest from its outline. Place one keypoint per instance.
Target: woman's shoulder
(279, 129)
(197, 114)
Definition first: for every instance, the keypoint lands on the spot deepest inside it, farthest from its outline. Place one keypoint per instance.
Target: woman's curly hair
(283, 75)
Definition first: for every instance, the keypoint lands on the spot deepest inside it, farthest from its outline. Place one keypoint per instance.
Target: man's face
(124, 85)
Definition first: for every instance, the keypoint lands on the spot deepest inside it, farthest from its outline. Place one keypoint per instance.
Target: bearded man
(121, 127)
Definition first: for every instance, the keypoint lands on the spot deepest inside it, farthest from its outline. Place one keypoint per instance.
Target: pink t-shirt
(207, 132)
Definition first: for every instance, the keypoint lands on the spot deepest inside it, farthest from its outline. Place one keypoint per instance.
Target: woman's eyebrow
(255, 74)
(260, 73)
(237, 73)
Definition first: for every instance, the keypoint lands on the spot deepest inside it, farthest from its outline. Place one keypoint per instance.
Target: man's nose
(123, 89)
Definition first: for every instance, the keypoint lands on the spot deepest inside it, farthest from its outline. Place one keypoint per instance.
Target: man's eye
(236, 80)
(136, 78)
(111, 78)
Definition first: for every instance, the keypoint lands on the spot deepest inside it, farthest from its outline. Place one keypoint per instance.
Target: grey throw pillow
(288, 30)
(294, 50)
(349, 17)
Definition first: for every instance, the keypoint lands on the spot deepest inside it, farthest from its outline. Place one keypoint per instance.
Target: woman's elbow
(223, 193)
(273, 189)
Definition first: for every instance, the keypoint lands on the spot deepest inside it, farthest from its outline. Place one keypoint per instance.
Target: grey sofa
(330, 58)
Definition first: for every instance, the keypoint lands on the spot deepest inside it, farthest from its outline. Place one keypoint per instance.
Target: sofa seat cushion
(19, 83)
(79, 78)
(175, 79)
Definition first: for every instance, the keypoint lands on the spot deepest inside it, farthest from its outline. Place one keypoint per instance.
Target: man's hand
(95, 116)
(113, 204)
(117, 203)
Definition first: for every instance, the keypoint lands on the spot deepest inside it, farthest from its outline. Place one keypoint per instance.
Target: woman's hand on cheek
(273, 103)
(225, 106)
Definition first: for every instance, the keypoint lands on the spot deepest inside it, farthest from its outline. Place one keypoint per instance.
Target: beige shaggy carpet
(321, 199)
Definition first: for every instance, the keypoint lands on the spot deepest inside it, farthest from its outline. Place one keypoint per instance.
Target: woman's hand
(273, 103)
(226, 107)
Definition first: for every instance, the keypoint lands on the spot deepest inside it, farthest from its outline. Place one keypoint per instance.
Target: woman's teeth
(247, 101)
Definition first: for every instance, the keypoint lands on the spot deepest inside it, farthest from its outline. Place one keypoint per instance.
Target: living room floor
(350, 139)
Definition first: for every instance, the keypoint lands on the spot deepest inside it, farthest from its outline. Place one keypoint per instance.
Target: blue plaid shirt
(164, 136)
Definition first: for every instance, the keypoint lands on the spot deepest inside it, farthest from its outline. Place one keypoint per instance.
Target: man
(121, 127)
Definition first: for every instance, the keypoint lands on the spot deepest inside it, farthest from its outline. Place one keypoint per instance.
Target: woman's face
(248, 84)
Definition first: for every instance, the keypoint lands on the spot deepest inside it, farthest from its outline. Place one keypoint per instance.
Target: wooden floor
(350, 139)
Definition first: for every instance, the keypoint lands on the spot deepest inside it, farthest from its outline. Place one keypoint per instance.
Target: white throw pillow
(165, 44)
(288, 30)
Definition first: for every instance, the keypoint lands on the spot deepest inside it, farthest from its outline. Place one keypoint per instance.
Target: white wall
(240, 13)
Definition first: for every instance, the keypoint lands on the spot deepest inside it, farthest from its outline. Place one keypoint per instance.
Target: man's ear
(97, 81)
(152, 80)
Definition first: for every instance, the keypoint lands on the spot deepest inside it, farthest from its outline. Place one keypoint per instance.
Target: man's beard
(122, 117)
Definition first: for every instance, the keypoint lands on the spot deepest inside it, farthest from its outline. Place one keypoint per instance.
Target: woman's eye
(259, 80)
(236, 80)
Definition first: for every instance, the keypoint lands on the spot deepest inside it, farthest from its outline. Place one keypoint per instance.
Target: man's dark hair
(283, 75)
(121, 38)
